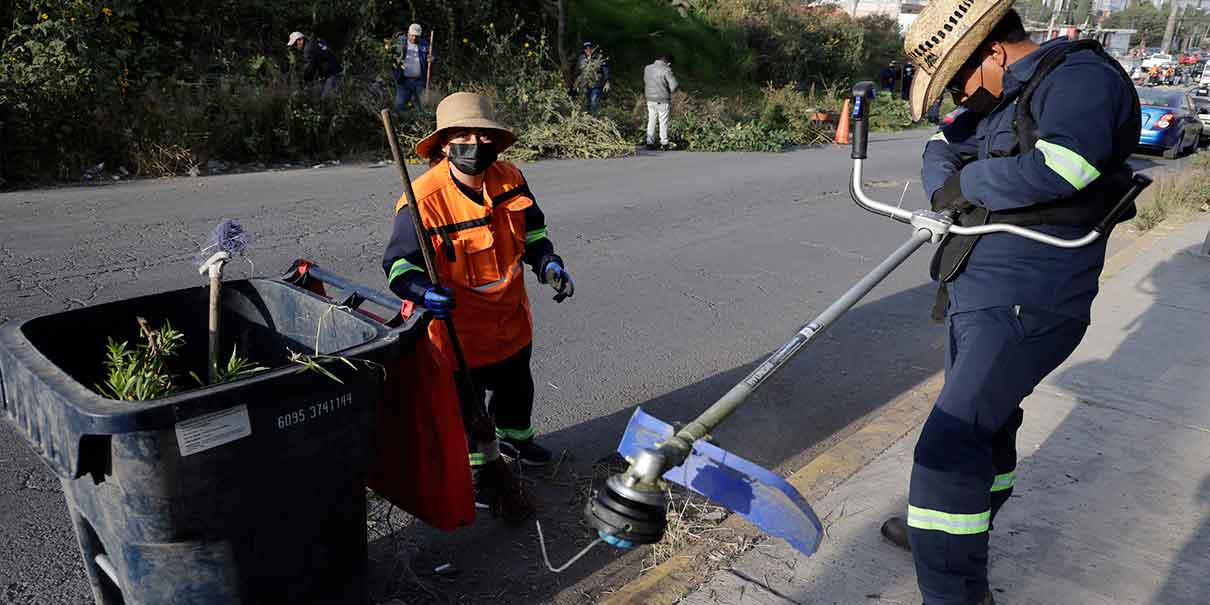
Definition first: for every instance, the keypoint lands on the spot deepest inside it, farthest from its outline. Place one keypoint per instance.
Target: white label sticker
(212, 430)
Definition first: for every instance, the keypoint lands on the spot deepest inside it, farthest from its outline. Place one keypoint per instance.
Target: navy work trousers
(508, 388)
(966, 458)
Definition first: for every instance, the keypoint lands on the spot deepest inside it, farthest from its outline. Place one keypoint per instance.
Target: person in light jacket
(658, 86)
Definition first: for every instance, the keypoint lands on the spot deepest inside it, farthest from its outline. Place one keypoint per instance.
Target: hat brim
(505, 139)
(927, 87)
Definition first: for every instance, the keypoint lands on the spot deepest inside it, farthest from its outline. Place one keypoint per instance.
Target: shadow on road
(876, 352)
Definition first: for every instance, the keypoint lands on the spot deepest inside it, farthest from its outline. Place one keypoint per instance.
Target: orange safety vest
(477, 254)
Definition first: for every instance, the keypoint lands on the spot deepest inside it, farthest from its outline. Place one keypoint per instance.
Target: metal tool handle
(862, 99)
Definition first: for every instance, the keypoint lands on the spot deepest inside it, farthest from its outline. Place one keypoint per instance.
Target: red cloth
(422, 465)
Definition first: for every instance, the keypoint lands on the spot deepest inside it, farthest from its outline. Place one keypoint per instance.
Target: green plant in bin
(141, 372)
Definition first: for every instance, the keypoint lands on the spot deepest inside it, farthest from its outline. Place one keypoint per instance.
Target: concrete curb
(668, 582)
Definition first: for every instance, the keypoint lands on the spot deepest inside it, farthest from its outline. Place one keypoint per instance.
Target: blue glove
(439, 302)
(560, 280)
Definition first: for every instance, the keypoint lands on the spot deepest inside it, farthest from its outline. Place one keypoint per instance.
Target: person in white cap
(411, 65)
(1044, 143)
(319, 62)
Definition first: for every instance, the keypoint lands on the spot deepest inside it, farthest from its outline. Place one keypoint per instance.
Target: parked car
(1190, 59)
(1170, 122)
(1201, 101)
(1158, 60)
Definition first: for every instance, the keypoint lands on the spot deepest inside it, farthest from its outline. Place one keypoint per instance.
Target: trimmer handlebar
(940, 224)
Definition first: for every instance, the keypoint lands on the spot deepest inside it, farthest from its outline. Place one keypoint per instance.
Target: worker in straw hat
(1043, 142)
(484, 223)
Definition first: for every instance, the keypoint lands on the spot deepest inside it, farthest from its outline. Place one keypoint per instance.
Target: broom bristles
(513, 504)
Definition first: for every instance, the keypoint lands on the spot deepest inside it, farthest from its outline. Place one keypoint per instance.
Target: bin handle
(355, 294)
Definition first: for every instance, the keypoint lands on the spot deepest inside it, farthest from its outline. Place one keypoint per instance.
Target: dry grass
(1176, 195)
(692, 520)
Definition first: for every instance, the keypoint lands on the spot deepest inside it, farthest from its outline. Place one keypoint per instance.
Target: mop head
(229, 237)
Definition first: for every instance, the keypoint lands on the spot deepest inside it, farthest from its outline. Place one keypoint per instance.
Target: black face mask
(981, 102)
(472, 158)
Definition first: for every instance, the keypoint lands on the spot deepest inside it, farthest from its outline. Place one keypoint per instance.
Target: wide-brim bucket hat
(942, 38)
(466, 110)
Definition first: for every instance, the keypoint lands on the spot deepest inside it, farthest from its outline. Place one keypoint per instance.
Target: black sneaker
(486, 497)
(527, 452)
(668, 146)
(652, 147)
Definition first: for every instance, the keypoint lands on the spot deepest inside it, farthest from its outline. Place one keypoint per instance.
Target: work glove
(605, 88)
(948, 199)
(439, 301)
(559, 279)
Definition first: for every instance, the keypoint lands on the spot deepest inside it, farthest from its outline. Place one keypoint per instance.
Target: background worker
(410, 71)
(658, 87)
(484, 223)
(319, 62)
(592, 76)
(1044, 143)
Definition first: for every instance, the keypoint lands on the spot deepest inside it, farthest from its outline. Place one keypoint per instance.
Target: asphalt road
(689, 269)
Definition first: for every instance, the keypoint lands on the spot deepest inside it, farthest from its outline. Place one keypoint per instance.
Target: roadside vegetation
(1176, 195)
(170, 87)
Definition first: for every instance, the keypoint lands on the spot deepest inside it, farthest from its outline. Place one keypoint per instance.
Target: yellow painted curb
(668, 582)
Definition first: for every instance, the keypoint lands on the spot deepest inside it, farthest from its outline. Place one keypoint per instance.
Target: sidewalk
(1112, 503)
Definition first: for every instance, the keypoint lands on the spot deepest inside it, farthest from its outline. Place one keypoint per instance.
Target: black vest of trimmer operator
(1086, 208)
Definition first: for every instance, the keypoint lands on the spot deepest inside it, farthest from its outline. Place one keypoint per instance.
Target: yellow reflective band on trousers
(950, 523)
(400, 267)
(1005, 481)
(515, 435)
(940, 136)
(1068, 164)
(535, 235)
(478, 460)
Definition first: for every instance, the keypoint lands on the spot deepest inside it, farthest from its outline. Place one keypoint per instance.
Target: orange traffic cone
(842, 129)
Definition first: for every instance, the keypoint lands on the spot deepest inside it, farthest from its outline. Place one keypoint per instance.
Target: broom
(228, 240)
(513, 504)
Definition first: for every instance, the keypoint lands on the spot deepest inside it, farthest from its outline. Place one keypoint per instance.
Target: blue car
(1170, 122)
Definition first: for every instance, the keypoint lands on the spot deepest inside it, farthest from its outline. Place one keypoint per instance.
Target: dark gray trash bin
(247, 492)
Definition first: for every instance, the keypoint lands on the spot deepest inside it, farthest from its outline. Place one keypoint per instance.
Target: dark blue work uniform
(1018, 308)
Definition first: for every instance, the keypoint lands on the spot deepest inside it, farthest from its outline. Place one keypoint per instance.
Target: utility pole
(1171, 27)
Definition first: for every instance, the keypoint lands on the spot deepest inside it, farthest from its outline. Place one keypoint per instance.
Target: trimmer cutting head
(631, 507)
(627, 515)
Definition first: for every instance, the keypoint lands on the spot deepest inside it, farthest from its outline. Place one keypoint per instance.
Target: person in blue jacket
(1043, 143)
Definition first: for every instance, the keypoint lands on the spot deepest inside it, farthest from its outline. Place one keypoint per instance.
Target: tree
(1142, 16)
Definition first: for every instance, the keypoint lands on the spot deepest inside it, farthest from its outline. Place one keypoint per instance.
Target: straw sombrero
(466, 110)
(942, 38)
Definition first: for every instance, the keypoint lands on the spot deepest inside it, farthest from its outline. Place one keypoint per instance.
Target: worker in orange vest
(483, 223)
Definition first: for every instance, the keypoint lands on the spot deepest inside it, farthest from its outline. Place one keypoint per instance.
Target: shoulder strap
(1023, 120)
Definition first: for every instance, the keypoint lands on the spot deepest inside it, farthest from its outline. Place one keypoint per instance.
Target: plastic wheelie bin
(252, 491)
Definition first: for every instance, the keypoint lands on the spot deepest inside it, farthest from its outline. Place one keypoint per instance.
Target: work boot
(669, 146)
(895, 530)
(652, 147)
(525, 451)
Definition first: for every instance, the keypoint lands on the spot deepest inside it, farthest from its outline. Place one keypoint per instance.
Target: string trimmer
(630, 509)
